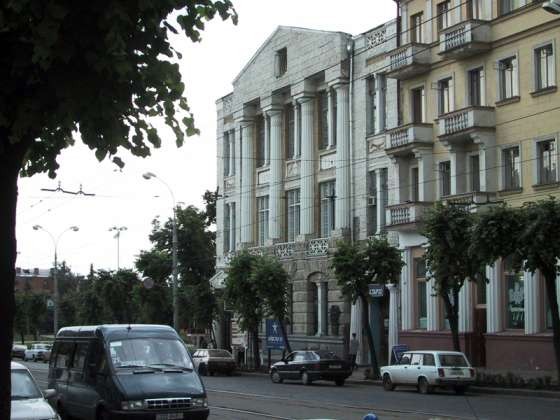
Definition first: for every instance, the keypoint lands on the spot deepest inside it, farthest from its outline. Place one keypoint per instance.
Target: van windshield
(147, 352)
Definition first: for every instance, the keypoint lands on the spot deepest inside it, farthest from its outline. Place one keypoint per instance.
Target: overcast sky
(125, 198)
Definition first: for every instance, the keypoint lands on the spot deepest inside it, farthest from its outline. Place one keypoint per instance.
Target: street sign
(274, 338)
(397, 352)
(376, 290)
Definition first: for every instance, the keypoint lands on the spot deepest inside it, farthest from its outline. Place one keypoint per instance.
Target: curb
(480, 390)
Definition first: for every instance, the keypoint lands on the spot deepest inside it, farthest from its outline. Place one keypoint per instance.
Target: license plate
(457, 372)
(335, 366)
(169, 416)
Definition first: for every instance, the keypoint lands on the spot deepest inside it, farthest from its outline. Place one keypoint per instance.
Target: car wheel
(339, 382)
(388, 383)
(275, 377)
(102, 414)
(202, 371)
(33, 358)
(460, 389)
(305, 379)
(423, 386)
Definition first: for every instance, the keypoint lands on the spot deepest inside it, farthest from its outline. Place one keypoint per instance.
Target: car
(37, 351)
(311, 365)
(210, 361)
(28, 402)
(130, 371)
(430, 369)
(18, 350)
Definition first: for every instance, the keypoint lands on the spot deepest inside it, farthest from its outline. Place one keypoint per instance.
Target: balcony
(465, 39)
(408, 61)
(402, 140)
(463, 124)
(285, 249)
(472, 201)
(318, 247)
(407, 216)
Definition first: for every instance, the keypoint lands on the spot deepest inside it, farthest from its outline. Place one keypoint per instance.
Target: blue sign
(274, 338)
(397, 353)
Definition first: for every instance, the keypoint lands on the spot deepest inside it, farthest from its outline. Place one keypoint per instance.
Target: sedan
(210, 361)
(28, 403)
(309, 366)
(429, 369)
(18, 350)
(37, 351)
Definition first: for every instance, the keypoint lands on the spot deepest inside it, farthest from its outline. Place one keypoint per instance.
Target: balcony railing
(471, 118)
(285, 249)
(471, 200)
(400, 215)
(408, 61)
(397, 139)
(318, 247)
(465, 39)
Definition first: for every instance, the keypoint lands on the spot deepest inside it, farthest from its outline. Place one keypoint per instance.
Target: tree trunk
(256, 354)
(285, 336)
(452, 315)
(10, 163)
(551, 292)
(365, 321)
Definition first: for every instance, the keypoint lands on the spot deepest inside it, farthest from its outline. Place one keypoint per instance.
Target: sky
(124, 198)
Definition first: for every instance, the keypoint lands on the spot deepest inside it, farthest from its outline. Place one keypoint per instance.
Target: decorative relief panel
(263, 177)
(376, 144)
(375, 38)
(327, 161)
(229, 183)
(292, 168)
(228, 104)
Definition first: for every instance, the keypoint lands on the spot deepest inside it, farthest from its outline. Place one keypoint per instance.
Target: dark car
(309, 366)
(210, 361)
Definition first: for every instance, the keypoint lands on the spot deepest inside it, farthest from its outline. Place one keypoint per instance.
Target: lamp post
(150, 175)
(55, 271)
(118, 237)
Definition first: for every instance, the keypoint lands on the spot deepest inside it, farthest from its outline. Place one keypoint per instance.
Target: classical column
(380, 83)
(407, 291)
(231, 139)
(330, 119)
(487, 163)
(297, 137)
(276, 166)
(432, 307)
(342, 209)
(427, 28)
(323, 307)
(466, 322)
(307, 181)
(426, 179)
(266, 140)
(532, 297)
(494, 305)
(380, 200)
(404, 24)
(247, 183)
(458, 171)
(393, 338)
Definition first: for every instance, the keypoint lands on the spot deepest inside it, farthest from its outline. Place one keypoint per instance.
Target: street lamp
(118, 237)
(55, 271)
(148, 176)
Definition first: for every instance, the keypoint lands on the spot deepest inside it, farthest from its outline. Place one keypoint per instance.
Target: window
(546, 161)
(507, 78)
(514, 296)
(226, 154)
(64, 355)
(226, 228)
(384, 194)
(372, 203)
(512, 168)
(327, 208)
(444, 96)
(445, 178)
(280, 62)
(80, 356)
(371, 106)
(474, 163)
(476, 92)
(480, 292)
(421, 291)
(507, 6)
(260, 127)
(544, 67)
(334, 116)
(429, 360)
(416, 28)
(293, 214)
(262, 211)
(323, 119)
(414, 185)
(443, 15)
(474, 9)
(416, 359)
(232, 238)
(289, 132)
(418, 105)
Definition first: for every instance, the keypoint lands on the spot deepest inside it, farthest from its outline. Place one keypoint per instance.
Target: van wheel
(202, 371)
(388, 383)
(460, 390)
(423, 386)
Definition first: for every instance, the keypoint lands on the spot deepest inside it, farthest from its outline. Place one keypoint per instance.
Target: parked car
(429, 369)
(309, 366)
(210, 361)
(18, 350)
(37, 351)
(28, 402)
(125, 371)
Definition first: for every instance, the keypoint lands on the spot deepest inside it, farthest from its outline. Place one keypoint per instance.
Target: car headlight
(200, 402)
(132, 405)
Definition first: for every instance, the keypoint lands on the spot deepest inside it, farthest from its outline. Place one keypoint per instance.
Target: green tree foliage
(210, 198)
(31, 310)
(529, 236)
(116, 292)
(449, 231)
(356, 266)
(101, 70)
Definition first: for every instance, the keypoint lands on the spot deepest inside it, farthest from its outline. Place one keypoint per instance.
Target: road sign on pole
(274, 338)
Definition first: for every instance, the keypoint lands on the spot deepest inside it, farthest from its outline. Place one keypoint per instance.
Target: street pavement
(254, 396)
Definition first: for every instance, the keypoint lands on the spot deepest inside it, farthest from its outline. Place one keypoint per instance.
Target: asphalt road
(250, 397)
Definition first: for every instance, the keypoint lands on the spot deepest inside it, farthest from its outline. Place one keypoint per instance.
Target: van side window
(64, 355)
(416, 359)
(80, 356)
(429, 360)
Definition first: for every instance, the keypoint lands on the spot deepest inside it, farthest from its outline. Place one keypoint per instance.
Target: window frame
(505, 300)
(293, 214)
(371, 105)
(537, 86)
(280, 62)
(416, 32)
(443, 16)
(441, 96)
(323, 114)
(539, 160)
(420, 293)
(328, 212)
(471, 184)
(441, 180)
(263, 219)
(422, 93)
(481, 87)
(501, 78)
(504, 170)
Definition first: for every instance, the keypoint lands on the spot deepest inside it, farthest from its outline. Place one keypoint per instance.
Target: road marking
(253, 413)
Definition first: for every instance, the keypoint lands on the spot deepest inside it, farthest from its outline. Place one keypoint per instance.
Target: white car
(429, 369)
(28, 402)
(37, 351)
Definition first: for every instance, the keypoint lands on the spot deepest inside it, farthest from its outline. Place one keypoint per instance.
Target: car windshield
(23, 386)
(323, 354)
(149, 352)
(219, 353)
(452, 360)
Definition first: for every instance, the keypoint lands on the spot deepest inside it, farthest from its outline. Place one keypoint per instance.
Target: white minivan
(429, 369)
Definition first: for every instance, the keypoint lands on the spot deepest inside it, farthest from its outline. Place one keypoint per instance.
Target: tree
(356, 267)
(272, 285)
(31, 310)
(210, 198)
(154, 304)
(116, 292)
(20, 318)
(103, 70)
(529, 236)
(242, 295)
(449, 231)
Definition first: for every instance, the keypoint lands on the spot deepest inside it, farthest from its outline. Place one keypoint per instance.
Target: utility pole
(118, 238)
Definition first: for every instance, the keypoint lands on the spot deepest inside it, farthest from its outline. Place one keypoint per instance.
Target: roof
(111, 329)
(435, 352)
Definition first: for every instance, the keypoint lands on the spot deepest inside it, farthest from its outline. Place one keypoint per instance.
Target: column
(380, 200)
(276, 166)
(307, 181)
(393, 338)
(466, 321)
(342, 209)
(330, 119)
(532, 302)
(380, 84)
(494, 305)
(238, 170)
(323, 308)
(404, 24)
(232, 221)
(247, 183)
(456, 11)
(427, 27)
(231, 139)
(407, 292)
(266, 140)
(487, 162)
(297, 138)
(356, 328)
(426, 176)
(458, 171)
(432, 306)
